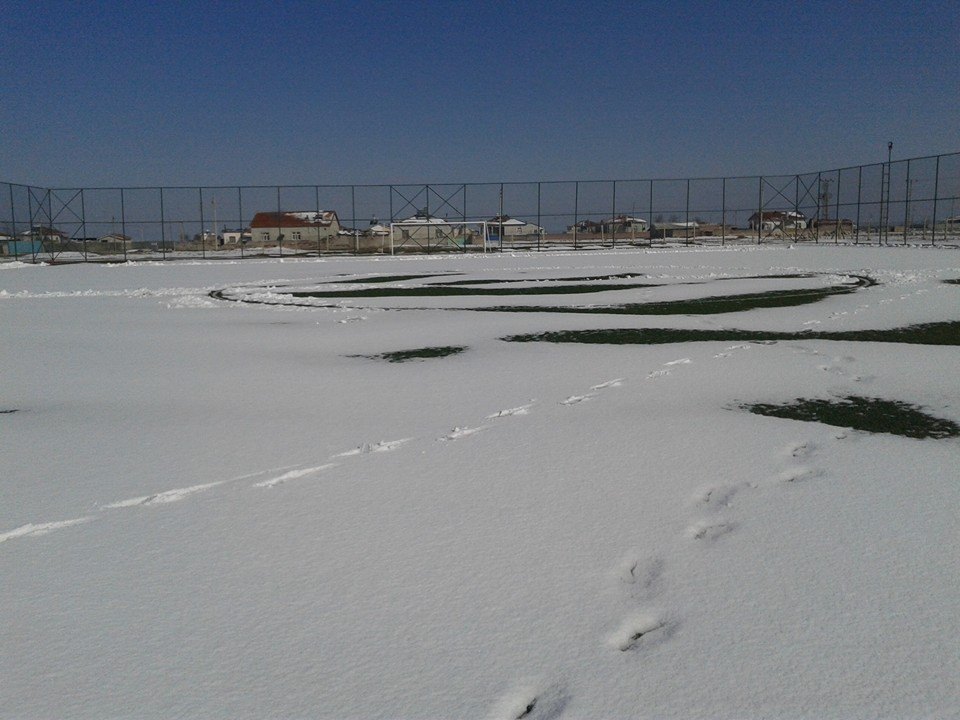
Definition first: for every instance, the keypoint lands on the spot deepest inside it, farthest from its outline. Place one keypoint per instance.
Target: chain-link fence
(913, 201)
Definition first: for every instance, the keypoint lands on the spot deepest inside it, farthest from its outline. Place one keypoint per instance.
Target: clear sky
(137, 93)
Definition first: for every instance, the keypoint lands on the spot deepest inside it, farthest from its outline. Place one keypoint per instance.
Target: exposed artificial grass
(697, 306)
(353, 279)
(953, 281)
(942, 333)
(446, 291)
(594, 278)
(417, 354)
(862, 413)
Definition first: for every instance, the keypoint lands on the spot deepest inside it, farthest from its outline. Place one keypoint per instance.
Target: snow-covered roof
(423, 220)
(297, 218)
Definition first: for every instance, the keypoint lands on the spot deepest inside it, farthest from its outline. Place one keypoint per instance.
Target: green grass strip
(942, 333)
(447, 291)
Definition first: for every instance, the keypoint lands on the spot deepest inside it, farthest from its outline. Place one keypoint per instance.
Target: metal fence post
(316, 204)
(279, 229)
(50, 217)
(613, 217)
(123, 224)
(906, 206)
(576, 212)
(30, 233)
(760, 211)
(353, 211)
(796, 207)
(203, 230)
(13, 222)
(241, 224)
(723, 213)
(163, 228)
(650, 219)
(936, 193)
(836, 227)
(686, 229)
(83, 225)
(539, 221)
(816, 236)
(856, 235)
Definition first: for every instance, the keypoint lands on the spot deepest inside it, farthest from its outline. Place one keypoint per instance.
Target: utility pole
(213, 204)
(825, 197)
(885, 196)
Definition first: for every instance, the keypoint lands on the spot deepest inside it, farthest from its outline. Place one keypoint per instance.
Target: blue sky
(374, 92)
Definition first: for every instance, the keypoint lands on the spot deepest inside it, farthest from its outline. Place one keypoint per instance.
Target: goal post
(437, 234)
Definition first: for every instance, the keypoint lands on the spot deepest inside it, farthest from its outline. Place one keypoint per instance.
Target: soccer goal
(436, 234)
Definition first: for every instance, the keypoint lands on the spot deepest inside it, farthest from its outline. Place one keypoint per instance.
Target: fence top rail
(479, 183)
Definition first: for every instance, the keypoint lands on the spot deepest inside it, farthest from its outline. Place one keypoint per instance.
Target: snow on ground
(213, 509)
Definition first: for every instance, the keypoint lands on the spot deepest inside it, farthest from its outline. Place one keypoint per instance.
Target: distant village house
(772, 220)
(512, 227)
(268, 228)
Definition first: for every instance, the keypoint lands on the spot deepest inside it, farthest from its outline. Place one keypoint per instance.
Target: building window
(295, 235)
(265, 237)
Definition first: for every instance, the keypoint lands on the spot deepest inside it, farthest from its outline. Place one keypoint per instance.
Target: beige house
(296, 227)
(512, 227)
(422, 226)
(778, 220)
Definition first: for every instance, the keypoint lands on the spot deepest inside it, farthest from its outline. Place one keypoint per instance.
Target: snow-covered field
(218, 509)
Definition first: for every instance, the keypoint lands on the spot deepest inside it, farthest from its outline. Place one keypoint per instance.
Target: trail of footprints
(275, 477)
(639, 578)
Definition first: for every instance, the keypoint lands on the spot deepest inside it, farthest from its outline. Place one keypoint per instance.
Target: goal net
(438, 234)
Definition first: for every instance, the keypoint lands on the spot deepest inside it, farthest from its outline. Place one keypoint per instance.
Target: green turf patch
(952, 281)
(593, 278)
(943, 333)
(354, 280)
(862, 413)
(418, 354)
(697, 306)
(448, 291)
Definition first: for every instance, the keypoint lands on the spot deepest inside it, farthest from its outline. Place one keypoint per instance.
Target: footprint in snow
(521, 410)
(531, 700)
(800, 473)
(721, 355)
(617, 382)
(681, 361)
(462, 432)
(293, 475)
(657, 374)
(165, 497)
(639, 629)
(716, 497)
(710, 531)
(575, 399)
(639, 576)
(800, 449)
(367, 448)
(36, 529)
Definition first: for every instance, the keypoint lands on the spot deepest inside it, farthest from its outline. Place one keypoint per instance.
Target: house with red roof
(301, 226)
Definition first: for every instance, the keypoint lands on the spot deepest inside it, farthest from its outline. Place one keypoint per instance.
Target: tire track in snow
(293, 475)
(37, 529)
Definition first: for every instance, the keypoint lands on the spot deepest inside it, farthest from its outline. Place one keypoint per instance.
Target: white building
(512, 227)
